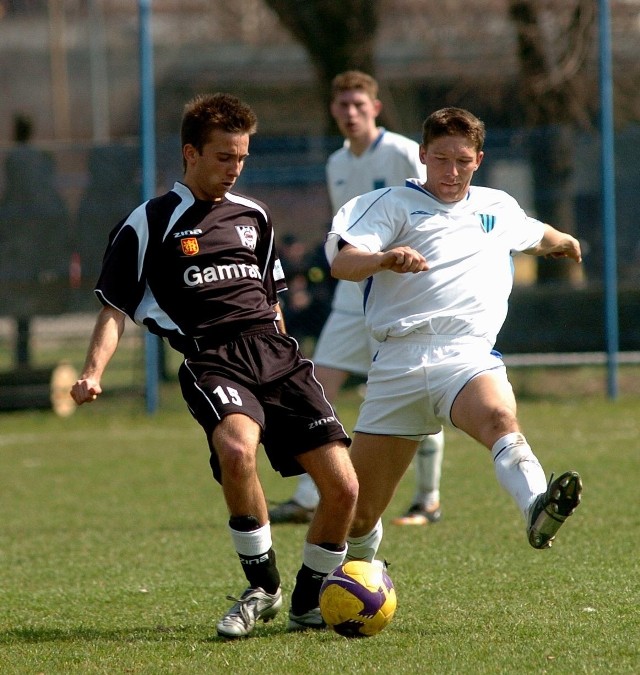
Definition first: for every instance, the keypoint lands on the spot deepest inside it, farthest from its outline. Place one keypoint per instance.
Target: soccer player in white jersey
(370, 158)
(434, 260)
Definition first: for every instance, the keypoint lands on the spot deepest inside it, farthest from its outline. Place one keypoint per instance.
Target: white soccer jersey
(467, 244)
(389, 160)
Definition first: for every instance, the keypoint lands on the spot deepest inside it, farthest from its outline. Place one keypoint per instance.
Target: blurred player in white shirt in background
(370, 158)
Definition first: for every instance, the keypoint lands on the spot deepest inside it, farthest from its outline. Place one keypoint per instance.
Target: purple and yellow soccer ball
(357, 599)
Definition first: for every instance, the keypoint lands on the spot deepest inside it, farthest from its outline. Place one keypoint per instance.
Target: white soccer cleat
(252, 605)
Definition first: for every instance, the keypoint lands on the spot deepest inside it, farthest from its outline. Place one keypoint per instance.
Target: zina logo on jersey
(488, 221)
(248, 236)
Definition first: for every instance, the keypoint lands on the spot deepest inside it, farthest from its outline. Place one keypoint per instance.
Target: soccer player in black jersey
(198, 266)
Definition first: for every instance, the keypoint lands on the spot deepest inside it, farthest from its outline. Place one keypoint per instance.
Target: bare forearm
(558, 245)
(352, 264)
(104, 342)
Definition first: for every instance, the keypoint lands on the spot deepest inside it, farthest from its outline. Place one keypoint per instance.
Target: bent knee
(345, 493)
(236, 461)
(503, 419)
(351, 490)
(363, 523)
(341, 495)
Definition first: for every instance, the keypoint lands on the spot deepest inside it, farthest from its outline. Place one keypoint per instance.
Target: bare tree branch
(553, 66)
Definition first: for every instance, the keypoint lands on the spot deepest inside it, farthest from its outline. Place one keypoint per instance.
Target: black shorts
(262, 374)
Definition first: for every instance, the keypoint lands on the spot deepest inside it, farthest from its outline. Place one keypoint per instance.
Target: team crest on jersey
(190, 246)
(488, 221)
(248, 235)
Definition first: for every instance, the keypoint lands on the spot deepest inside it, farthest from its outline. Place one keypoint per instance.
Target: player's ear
(377, 106)
(479, 159)
(189, 152)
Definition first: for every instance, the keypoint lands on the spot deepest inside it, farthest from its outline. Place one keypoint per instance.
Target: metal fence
(58, 203)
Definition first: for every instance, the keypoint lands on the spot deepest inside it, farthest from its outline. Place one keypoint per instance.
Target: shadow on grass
(37, 635)
(202, 633)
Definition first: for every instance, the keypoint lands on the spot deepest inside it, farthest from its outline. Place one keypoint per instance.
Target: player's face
(355, 114)
(451, 162)
(212, 173)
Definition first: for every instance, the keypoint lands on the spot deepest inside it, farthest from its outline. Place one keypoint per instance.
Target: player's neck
(360, 145)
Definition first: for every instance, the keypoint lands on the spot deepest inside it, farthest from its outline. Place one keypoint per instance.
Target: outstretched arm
(557, 245)
(104, 341)
(354, 264)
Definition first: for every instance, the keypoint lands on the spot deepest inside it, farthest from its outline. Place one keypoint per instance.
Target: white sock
(306, 493)
(252, 543)
(518, 470)
(428, 467)
(321, 559)
(366, 546)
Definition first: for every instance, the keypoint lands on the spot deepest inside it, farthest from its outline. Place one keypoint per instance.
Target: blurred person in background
(34, 219)
(35, 242)
(370, 158)
(306, 303)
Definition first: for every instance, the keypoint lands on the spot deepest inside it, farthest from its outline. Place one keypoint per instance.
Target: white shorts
(414, 381)
(345, 343)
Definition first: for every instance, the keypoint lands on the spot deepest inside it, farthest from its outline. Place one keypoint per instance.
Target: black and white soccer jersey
(188, 268)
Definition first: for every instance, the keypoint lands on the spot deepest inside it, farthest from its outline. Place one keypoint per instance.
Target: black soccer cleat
(551, 508)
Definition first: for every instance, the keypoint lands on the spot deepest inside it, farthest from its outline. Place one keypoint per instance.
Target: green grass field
(115, 555)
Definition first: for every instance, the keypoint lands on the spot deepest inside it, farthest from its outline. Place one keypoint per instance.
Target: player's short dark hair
(453, 122)
(354, 79)
(207, 112)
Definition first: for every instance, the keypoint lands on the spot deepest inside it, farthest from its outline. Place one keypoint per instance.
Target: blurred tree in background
(558, 91)
(337, 34)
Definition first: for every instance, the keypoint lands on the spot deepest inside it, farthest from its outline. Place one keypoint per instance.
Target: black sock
(306, 592)
(261, 571)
